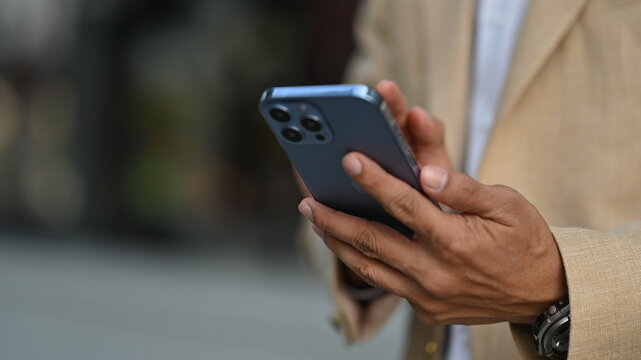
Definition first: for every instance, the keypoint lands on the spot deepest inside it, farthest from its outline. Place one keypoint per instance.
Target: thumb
(460, 192)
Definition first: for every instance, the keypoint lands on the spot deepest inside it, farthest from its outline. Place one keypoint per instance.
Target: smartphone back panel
(318, 125)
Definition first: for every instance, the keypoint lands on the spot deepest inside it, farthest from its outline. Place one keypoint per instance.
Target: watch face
(552, 331)
(561, 339)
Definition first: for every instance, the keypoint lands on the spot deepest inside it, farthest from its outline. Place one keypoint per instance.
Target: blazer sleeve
(603, 271)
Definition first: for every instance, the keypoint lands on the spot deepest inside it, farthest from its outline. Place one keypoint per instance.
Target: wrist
(552, 285)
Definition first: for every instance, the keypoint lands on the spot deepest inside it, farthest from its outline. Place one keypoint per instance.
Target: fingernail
(318, 231)
(352, 165)
(306, 210)
(434, 178)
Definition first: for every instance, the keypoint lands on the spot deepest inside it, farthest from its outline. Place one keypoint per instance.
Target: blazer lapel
(447, 42)
(546, 23)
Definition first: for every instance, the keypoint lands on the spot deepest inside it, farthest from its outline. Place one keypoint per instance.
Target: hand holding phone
(318, 125)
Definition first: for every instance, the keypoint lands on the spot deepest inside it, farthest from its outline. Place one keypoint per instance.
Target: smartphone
(318, 125)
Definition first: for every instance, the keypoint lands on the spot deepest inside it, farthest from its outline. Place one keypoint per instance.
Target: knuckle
(439, 289)
(365, 242)
(511, 200)
(402, 205)
(512, 204)
(323, 221)
(467, 189)
(505, 191)
(458, 248)
(369, 274)
(454, 247)
(414, 268)
(429, 286)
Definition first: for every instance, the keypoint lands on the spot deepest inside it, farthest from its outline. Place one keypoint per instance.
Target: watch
(552, 330)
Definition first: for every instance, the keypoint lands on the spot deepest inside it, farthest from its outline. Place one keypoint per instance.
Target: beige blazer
(568, 137)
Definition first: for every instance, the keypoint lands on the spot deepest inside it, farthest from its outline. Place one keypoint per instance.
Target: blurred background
(146, 211)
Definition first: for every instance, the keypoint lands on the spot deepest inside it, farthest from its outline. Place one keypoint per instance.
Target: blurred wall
(139, 118)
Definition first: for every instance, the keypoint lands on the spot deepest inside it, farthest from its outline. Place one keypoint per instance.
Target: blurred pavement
(69, 302)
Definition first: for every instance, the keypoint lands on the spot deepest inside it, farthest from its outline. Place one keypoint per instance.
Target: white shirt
(498, 24)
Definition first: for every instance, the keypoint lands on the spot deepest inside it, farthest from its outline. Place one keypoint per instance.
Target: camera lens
(279, 113)
(311, 123)
(292, 134)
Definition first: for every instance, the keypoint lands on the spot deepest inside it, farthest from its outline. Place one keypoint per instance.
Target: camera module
(311, 123)
(279, 113)
(292, 134)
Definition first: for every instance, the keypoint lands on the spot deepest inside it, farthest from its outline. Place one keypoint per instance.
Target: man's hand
(496, 261)
(423, 133)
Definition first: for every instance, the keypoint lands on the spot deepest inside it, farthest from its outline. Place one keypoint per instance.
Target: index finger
(370, 238)
(395, 100)
(398, 198)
